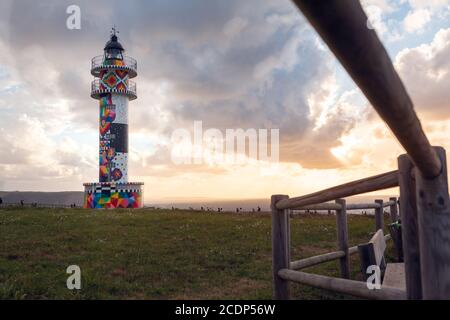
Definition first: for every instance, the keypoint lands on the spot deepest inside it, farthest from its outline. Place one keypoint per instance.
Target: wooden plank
(342, 24)
(433, 209)
(378, 182)
(410, 233)
(359, 206)
(379, 246)
(394, 276)
(280, 248)
(389, 203)
(342, 238)
(379, 216)
(372, 253)
(312, 261)
(320, 206)
(345, 286)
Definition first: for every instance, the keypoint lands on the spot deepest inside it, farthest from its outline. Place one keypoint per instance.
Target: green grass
(157, 254)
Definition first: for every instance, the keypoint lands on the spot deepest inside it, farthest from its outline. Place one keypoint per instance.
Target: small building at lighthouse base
(110, 195)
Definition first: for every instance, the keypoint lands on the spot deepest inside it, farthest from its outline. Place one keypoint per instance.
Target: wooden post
(393, 210)
(379, 216)
(395, 232)
(410, 233)
(280, 248)
(342, 237)
(433, 211)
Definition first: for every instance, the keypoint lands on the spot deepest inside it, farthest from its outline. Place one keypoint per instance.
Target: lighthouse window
(114, 54)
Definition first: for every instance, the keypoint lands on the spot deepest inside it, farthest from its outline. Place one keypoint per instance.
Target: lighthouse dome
(113, 44)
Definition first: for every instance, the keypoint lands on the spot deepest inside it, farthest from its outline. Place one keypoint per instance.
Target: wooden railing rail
(351, 206)
(281, 245)
(351, 287)
(325, 257)
(375, 183)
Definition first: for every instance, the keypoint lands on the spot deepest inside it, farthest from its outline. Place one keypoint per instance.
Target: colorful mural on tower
(114, 80)
(113, 138)
(112, 90)
(112, 200)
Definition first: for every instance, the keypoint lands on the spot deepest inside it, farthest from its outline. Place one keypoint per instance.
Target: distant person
(1, 201)
(259, 209)
(237, 210)
(21, 203)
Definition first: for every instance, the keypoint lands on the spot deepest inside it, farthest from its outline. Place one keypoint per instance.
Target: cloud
(426, 72)
(422, 12)
(237, 64)
(416, 20)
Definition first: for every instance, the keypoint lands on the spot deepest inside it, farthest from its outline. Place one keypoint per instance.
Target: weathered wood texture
(320, 206)
(396, 234)
(394, 276)
(433, 210)
(351, 287)
(410, 232)
(280, 248)
(312, 261)
(379, 216)
(342, 238)
(388, 203)
(393, 212)
(359, 206)
(378, 182)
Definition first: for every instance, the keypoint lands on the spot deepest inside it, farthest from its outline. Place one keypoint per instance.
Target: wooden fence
(421, 175)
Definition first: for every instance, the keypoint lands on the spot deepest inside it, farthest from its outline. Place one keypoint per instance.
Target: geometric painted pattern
(114, 80)
(113, 200)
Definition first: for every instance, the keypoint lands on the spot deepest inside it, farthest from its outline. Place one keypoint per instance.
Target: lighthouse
(114, 90)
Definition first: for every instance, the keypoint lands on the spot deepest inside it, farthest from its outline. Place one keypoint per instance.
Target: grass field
(157, 254)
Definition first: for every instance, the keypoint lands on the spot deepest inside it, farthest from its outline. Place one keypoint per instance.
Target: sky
(230, 64)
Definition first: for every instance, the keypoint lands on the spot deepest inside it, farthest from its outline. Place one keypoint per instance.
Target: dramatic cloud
(426, 72)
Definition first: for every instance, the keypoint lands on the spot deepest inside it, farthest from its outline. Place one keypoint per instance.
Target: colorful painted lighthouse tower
(114, 89)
